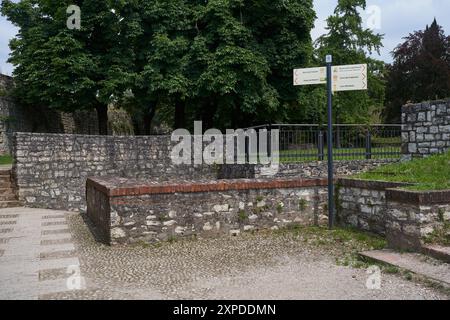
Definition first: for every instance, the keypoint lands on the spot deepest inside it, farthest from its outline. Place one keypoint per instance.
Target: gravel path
(262, 266)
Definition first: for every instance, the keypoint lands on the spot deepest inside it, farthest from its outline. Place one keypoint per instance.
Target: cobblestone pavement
(260, 266)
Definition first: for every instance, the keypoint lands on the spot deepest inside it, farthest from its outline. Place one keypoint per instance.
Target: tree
(162, 58)
(226, 62)
(228, 72)
(70, 69)
(242, 57)
(349, 43)
(421, 70)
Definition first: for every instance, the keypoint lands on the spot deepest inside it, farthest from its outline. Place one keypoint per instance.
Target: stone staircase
(8, 197)
(430, 265)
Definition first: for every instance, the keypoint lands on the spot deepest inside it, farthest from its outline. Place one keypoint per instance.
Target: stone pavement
(37, 255)
(41, 252)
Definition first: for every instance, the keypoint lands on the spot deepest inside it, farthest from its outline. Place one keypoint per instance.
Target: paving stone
(9, 216)
(50, 242)
(57, 231)
(3, 223)
(69, 246)
(52, 274)
(4, 240)
(57, 254)
(55, 216)
(21, 265)
(54, 223)
(246, 267)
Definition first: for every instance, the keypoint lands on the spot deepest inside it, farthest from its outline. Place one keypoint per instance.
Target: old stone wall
(51, 169)
(406, 218)
(315, 169)
(17, 118)
(426, 128)
(414, 216)
(127, 211)
(362, 204)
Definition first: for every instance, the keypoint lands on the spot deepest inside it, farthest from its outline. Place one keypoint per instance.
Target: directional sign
(350, 77)
(345, 78)
(337, 78)
(308, 76)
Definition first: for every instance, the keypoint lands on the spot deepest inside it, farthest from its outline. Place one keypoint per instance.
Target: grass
(432, 173)
(6, 159)
(440, 235)
(343, 242)
(287, 156)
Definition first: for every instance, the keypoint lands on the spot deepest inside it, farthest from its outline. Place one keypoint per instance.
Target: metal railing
(307, 142)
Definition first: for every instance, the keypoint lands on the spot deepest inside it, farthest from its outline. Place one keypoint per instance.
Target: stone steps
(5, 185)
(8, 198)
(437, 252)
(6, 191)
(9, 204)
(424, 267)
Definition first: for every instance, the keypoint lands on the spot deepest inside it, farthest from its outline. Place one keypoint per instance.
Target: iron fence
(350, 142)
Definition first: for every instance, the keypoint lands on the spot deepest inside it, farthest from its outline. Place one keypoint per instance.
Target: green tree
(226, 62)
(242, 57)
(70, 69)
(349, 43)
(229, 73)
(160, 47)
(282, 29)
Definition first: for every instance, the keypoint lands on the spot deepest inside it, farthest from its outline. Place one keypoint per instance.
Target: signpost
(337, 78)
(331, 212)
(308, 76)
(349, 78)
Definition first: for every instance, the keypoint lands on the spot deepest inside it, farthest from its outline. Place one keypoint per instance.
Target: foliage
(70, 69)
(349, 43)
(226, 62)
(242, 58)
(342, 242)
(421, 70)
(119, 122)
(6, 159)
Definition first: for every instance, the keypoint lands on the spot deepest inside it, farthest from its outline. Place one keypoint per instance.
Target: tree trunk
(102, 115)
(208, 114)
(136, 126)
(148, 117)
(179, 115)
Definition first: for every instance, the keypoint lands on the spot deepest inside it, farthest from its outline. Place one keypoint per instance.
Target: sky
(397, 19)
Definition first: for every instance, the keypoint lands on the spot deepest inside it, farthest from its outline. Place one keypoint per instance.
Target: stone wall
(315, 169)
(413, 216)
(51, 169)
(405, 217)
(17, 118)
(426, 128)
(362, 204)
(127, 211)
